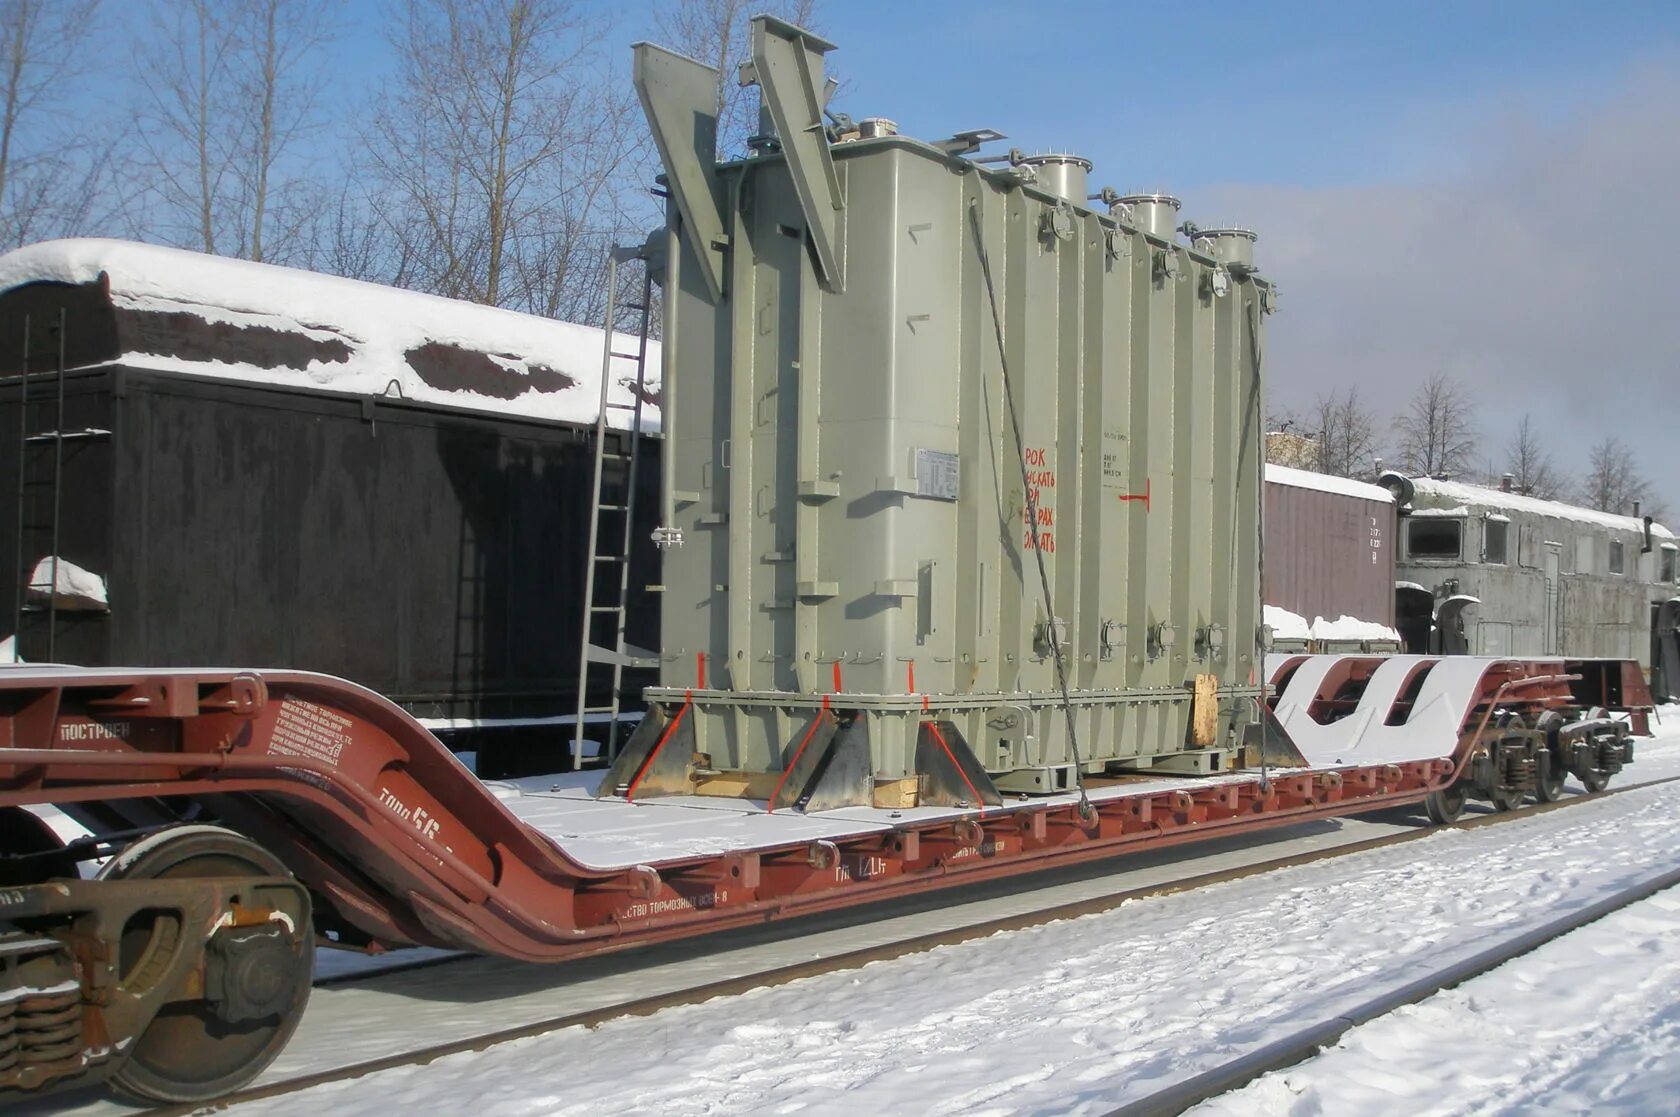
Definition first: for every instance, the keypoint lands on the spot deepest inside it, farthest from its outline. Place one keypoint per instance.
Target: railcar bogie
(176, 974)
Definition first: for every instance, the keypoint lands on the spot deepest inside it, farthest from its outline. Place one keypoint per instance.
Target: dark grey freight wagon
(434, 554)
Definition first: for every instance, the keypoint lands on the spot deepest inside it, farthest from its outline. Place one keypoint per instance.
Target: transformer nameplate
(936, 474)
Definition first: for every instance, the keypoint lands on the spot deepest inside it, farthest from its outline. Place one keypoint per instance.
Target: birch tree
(1613, 481)
(499, 153)
(1530, 466)
(49, 166)
(1438, 431)
(228, 92)
(1347, 434)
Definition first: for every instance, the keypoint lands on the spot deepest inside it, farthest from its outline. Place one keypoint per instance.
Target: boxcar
(265, 466)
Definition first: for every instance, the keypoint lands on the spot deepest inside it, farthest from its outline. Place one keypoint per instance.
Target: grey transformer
(882, 359)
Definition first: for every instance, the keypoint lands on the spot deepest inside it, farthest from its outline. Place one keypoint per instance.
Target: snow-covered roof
(1327, 483)
(370, 329)
(1461, 498)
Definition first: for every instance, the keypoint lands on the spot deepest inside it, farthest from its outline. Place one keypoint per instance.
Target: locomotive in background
(1485, 571)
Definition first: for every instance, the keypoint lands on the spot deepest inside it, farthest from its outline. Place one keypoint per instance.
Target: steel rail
(854, 959)
(1303, 1044)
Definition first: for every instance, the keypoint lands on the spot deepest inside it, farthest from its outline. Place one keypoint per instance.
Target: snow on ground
(1561, 1030)
(1082, 1015)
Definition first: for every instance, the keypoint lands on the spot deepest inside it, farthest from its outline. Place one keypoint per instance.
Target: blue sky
(1475, 188)
(1186, 95)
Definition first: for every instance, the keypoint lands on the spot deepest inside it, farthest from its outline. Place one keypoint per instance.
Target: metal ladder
(39, 492)
(606, 597)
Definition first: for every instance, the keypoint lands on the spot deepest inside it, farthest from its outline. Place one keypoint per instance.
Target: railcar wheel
(1548, 779)
(1594, 779)
(1446, 805)
(193, 1051)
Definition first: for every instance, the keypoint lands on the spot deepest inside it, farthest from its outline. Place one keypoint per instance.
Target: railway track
(1306, 1042)
(727, 965)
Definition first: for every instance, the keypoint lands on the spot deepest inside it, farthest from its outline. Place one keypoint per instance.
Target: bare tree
(186, 141)
(48, 166)
(716, 32)
(1613, 481)
(1347, 434)
(229, 90)
(344, 236)
(1438, 431)
(279, 82)
(499, 151)
(1530, 466)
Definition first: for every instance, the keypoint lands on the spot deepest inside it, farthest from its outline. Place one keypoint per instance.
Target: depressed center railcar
(916, 405)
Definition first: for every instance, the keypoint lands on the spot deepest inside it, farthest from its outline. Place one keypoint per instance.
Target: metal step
(67, 436)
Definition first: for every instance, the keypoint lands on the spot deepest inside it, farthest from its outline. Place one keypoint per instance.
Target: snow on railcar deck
(611, 834)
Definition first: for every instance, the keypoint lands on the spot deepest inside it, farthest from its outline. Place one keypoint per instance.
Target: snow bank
(1447, 494)
(68, 586)
(1326, 483)
(368, 331)
(1351, 628)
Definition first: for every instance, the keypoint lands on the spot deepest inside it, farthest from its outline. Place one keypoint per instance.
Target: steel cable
(1085, 809)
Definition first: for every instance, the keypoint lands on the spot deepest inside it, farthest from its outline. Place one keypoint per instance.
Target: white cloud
(1541, 272)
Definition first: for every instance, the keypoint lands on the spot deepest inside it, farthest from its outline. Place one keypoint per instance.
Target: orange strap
(770, 807)
(933, 727)
(670, 730)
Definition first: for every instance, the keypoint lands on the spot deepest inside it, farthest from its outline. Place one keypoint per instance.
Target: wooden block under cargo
(1204, 711)
(898, 794)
